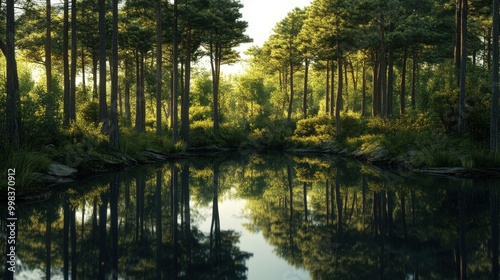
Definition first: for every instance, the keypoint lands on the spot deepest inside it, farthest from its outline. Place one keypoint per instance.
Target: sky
(262, 16)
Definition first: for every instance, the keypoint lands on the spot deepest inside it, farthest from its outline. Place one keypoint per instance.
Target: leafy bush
(133, 143)
(315, 126)
(274, 136)
(89, 112)
(353, 124)
(202, 134)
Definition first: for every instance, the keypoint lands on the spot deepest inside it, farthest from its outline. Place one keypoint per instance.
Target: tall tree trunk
(463, 63)
(414, 80)
(215, 66)
(187, 89)
(338, 107)
(376, 102)
(159, 61)
(114, 136)
(332, 89)
(290, 101)
(363, 89)
(494, 98)
(489, 46)
(458, 44)
(128, 119)
(74, 57)
(346, 88)
(95, 61)
(402, 94)
(49, 106)
(13, 97)
(103, 107)
(66, 73)
(84, 79)
(48, 45)
(390, 81)
(327, 88)
(383, 68)
(175, 73)
(304, 98)
(140, 110)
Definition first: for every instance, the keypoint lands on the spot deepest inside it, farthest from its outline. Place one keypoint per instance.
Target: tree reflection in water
(335, 218)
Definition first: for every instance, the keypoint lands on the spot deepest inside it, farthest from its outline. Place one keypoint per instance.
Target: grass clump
(26, 163)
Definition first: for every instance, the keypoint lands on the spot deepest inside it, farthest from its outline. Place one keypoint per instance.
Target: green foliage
(321, 126)
(199, 113)
(86, 134)
(89, 112)
(133, 143)
(275, 135)
(40, 115)
(26, 163)
(444, 105)
(228, 136)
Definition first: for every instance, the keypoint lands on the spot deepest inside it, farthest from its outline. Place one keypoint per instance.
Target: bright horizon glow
(262, 16)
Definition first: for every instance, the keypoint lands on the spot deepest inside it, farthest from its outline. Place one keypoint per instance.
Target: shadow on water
(334, 218)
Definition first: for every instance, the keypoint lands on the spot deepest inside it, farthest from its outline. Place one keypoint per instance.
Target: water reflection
(334, 218)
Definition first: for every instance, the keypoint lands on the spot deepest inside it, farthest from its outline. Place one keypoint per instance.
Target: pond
(261, 216)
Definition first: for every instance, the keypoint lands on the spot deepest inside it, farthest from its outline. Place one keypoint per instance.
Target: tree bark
(463, 63)
(495, 80)
(327, 89)
(304, 97)
(48, 45)
(338, 107)
(390, 81)
(414, 81)
(457, 49)
(140, 110)
(13, 97)
(332, 90)
(383, 68)
(66, 73)
(74, 56)
(114, 136)
(376, 102)
(290, 100)
(175, 75)
(363, 90)
(187, 89)
(402, 94)
(158, 66)
(103, 107)
(128, 119)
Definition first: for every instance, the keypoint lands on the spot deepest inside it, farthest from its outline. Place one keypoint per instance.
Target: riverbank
(412, 143)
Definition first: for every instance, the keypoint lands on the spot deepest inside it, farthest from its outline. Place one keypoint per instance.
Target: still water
(261, 216)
